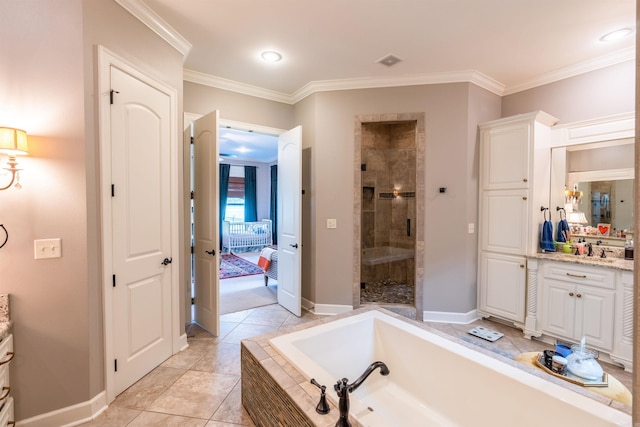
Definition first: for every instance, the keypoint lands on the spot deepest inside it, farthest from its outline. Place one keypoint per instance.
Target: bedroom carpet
(246, 292)
(233, 266)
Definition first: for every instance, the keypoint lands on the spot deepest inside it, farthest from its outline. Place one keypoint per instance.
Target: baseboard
(70, 416)
(448, 317)
(330, 309)
(182, 342)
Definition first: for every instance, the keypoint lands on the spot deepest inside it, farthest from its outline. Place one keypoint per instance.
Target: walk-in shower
(388, 193)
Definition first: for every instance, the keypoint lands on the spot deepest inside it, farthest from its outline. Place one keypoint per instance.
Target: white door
(289, 219)
(141, 228)
(206, 222)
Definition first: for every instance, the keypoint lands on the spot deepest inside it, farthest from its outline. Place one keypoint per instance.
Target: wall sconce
(13, 142)
(573, 196)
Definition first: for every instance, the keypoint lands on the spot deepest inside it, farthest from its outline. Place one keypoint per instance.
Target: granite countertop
(5, 322)
(618, 263)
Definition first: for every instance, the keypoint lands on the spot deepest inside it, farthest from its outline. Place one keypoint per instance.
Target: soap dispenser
(628, 249)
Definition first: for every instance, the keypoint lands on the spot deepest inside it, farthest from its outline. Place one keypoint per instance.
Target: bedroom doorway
(233, 139)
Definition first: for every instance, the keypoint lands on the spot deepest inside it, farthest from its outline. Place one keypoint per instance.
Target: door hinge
(115, 365)
(192, 140)
(193, 195)
(193, 301)
(303, 191)
(113, 190)
(192, 249)
(111, 96)
(114, 280)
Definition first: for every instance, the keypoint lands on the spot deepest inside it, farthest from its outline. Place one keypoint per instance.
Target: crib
(246, 235)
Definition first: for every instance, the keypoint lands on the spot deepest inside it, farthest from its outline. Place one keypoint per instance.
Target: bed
(237, 235)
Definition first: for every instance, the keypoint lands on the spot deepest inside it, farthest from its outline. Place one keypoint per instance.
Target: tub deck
(273, 388)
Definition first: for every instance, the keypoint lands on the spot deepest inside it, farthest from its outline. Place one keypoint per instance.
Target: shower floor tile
(387, 291)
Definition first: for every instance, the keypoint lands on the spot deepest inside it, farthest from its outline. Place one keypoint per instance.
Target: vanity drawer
(6, 413)
(580, 274)
(6, 351)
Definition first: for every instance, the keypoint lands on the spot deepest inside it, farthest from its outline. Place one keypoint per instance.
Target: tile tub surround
(267, 363)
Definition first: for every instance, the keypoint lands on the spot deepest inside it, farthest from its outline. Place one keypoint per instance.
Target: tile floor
(201, 385)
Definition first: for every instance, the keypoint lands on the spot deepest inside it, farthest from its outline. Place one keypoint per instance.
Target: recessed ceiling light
(271, 56)
(616, 35)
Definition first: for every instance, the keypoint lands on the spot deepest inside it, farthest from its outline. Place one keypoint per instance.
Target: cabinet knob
(579, 295)
(521, 265)
(570, 294)
(525, 180)
(524, 197)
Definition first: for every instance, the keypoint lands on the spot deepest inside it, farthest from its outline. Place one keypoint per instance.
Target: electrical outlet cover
(486, 333)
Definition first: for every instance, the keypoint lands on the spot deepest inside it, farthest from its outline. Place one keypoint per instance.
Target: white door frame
(188, 118)
(106, 59)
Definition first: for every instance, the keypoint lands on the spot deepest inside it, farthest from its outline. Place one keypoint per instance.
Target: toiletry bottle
(628, 249)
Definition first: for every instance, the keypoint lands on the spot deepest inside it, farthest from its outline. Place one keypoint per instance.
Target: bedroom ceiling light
(616, 35)
(271, 56)
(13, 142)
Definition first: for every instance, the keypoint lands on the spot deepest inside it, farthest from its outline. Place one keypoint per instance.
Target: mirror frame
(566, 137)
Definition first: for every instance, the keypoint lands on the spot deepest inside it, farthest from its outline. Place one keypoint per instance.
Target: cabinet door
(505, 156)
(505, 221)
(502, 286)
(558, 308)
(594, 316)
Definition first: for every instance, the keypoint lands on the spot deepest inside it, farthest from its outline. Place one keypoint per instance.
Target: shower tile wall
(389, 153)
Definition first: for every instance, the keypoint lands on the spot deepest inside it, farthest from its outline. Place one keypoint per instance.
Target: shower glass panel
(387, 270)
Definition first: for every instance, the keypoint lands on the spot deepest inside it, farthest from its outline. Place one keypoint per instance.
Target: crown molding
(471, 76)
(468, 76)
(618, 57)
(234, 86)
(148, 17)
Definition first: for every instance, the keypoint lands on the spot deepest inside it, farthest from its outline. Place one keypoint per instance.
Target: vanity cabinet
(623, 329)
(578, 301)
(514, 183)
(6, 400)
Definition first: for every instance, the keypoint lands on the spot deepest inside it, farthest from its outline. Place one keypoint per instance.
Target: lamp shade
(13, 141)
(576, 218)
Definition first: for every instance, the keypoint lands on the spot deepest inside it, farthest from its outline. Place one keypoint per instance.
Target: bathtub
(433, 381)
(382, 254)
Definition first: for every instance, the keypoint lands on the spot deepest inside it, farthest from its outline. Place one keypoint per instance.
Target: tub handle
(323, 407)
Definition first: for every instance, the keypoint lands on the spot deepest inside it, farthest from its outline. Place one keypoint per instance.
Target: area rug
(233, 266)
(243, 296)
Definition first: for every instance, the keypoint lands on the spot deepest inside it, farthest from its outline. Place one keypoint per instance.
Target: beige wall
(448, 144)
(200, 99)
(591, 95)
(47, 89)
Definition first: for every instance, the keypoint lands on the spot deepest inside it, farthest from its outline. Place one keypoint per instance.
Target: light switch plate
(332, 223)
(47, 248)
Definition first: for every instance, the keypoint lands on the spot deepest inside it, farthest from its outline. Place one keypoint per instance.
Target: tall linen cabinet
(515, 171)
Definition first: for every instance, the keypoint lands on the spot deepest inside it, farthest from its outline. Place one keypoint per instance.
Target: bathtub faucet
(343, 389)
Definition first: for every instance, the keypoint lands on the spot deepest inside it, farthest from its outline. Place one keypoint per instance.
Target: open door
(206, 223)
(289, 220)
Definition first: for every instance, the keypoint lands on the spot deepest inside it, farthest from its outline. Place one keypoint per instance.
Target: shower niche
(388, 193)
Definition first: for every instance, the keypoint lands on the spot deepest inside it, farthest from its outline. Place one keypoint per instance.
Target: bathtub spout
(343, 389)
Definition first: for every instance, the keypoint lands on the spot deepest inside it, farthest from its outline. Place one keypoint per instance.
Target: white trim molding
(450, 317)
(73, 415)
(158, 25)
(624, 55)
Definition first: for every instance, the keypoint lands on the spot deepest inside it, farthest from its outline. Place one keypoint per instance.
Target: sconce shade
(13, 141)
(576, 218)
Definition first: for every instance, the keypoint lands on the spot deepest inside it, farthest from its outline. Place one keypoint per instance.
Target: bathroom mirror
(596, 179)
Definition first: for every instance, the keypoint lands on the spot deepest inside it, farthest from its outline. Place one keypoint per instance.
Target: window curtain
(224, 192)
(273, 212)
(250, 194)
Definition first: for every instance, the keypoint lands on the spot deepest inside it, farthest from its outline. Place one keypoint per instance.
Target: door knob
(295, 245)
(212, 252)
(167, 261)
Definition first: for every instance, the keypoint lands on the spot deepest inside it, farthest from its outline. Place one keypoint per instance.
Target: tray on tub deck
(603, 382)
